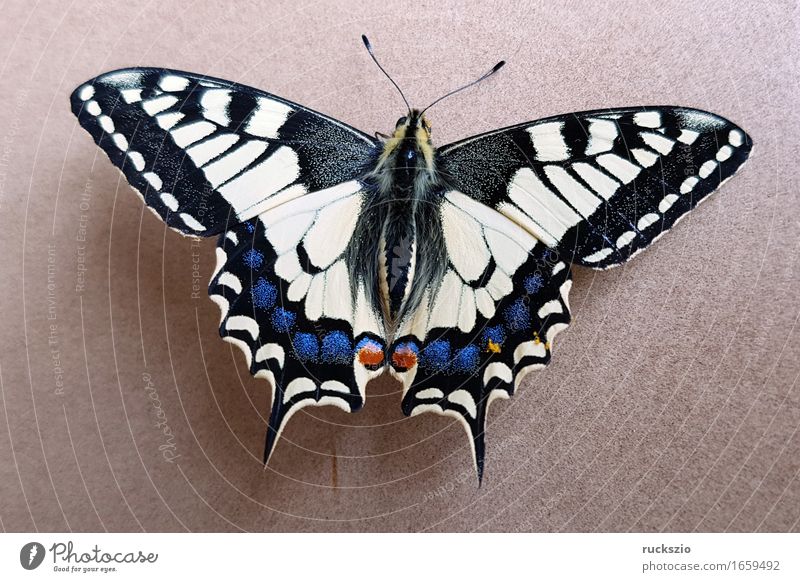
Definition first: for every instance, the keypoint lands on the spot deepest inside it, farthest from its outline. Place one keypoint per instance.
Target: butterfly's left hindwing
(600, 185)
(282, 283)
(206, 153)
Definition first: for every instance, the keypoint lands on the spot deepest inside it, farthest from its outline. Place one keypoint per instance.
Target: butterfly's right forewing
(600, 185)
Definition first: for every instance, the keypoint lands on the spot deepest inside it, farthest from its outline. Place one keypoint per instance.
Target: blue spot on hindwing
(436, 355)
(368, 341)
(533, 284)
(283, 320)
(517, 316)
(410, 346)
(495, 334)
(467, 359)
(264, 294)
(337, 349)
(306, 346)
(253, 259)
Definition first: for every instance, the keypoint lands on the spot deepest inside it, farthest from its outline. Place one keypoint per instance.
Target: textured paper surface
(671, 403)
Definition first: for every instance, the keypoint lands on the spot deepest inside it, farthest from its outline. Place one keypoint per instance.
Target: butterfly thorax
(401, 248)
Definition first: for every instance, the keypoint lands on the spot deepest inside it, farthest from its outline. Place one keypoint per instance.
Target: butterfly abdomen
(399, 246)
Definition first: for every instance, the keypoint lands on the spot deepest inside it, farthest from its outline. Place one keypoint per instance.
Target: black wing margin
(599, 185)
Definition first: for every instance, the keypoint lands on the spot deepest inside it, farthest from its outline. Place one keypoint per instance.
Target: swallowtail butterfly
(341, 256)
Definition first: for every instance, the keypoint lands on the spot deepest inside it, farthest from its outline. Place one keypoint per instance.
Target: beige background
(672, 401)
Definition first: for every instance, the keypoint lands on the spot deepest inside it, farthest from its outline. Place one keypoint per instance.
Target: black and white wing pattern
(206, 153)
(600, 185)
(279, 184)
(285, 189)
(282, 283)
(492, 320)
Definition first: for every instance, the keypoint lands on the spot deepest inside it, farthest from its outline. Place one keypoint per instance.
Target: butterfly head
(413, 125)
(410, 141)
(411, 138)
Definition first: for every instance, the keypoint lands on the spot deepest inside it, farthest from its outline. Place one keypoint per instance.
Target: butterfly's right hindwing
(206, 153)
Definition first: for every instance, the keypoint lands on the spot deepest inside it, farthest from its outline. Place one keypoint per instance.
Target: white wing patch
(255, 185)
(268, 117)
(602, 133)
(579, 197)
(602, 183)
(548, 141)
(619, 167)
(209, 149)
(647, 119)
(538, 208)
(189, 133)
(158, 104)
(324, 221)
(466, 247)
(231, 165)
(215, 105)
(173, 83)
(327, 238)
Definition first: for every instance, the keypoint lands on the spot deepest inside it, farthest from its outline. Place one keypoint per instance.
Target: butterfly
(341, 256)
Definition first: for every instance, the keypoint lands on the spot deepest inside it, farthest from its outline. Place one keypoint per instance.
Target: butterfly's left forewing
(206, 153)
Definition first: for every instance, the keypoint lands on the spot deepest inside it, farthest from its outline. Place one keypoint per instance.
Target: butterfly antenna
(486, 75)
(369, 49)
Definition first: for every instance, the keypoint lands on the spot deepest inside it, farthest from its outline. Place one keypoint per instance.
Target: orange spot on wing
(493, 347)
(370, 356)
(404, 358)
